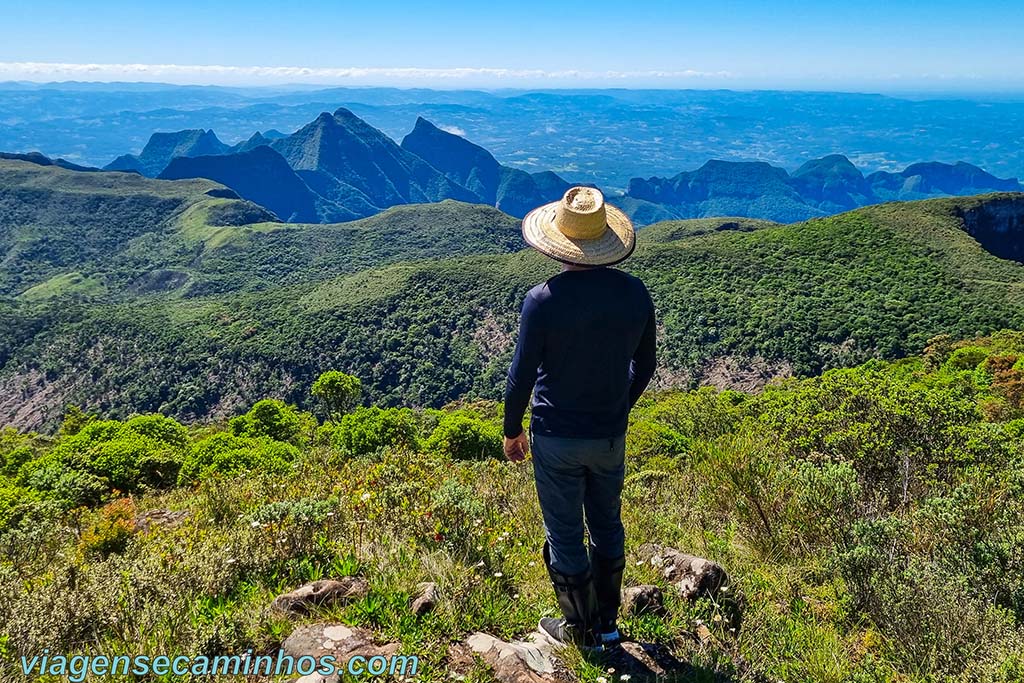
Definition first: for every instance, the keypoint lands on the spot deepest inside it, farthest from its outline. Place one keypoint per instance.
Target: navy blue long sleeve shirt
(587, 342)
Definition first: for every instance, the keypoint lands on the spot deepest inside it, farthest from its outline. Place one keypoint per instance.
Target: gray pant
(577, 476)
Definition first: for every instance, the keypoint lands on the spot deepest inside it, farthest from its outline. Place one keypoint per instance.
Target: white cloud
(253, 75)
(454, 130)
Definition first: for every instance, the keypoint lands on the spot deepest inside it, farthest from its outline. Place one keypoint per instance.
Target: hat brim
(613, 246)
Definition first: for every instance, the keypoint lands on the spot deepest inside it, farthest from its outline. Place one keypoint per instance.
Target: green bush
(967, 358)
(366, 430)
(461, 437)
(142, 453)
(14, 501)
(274, 419)
(646, 439)
(159, 428)
(338, 392)
(228, 454)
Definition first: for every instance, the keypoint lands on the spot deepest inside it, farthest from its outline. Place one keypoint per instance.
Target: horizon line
(488, 78)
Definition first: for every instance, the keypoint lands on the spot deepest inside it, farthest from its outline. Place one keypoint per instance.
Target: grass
(870, 520)
(70, 285)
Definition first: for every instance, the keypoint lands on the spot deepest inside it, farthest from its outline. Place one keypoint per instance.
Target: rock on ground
(320, 594)
(160, 518)
(343, 642)
(692, 576)
(522, 661)
(644, 662)
(644, 599)
(426, 598)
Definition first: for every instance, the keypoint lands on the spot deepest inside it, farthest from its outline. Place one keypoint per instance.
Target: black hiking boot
(578, 602)
(608, 589)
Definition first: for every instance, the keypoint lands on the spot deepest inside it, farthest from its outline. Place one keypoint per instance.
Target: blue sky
(872, 45)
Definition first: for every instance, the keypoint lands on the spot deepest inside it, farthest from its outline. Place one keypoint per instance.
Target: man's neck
(566, 267)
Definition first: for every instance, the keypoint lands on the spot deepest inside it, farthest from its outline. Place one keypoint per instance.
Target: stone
(152, 519)
(645, 599)
(692, 576)
(339, 640)
(321, 594)
(426, 598)
(644, 662)
(531, 660)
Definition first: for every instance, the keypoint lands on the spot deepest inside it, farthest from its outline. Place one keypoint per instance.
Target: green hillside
(871, 521)
(257, 311)
(124, 235)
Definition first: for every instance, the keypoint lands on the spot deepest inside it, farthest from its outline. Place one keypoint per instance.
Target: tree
(338, 391)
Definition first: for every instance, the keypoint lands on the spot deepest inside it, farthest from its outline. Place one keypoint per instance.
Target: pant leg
(606, 471)
(561, 481)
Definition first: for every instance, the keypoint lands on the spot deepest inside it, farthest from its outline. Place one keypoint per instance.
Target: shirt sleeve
(644, 359)
(522, 375)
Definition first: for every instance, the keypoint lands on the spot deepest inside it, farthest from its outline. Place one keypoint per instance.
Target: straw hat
(580, 229)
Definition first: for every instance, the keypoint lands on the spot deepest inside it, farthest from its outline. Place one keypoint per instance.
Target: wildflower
(366, 496)
(531, 564)
(515, 596)
(255, 525)
(601, 679)
(498, 575)
(624, 677)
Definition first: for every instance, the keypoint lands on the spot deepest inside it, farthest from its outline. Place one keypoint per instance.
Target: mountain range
(819, 187)
(124, 293)
(340, 168)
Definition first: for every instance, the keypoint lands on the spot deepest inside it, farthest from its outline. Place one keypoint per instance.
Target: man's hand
(517, 448)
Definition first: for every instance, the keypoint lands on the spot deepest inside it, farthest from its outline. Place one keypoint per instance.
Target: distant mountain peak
(163, 147)
(512, 190)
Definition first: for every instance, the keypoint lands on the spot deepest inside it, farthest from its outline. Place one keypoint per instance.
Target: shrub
(366, 430)
(14, 501)
(966, 358)
(160, 428)
(273, 419)
(339, 392)
(109, 528)
(121, 461)
(461, 437)
(646, 439)
(75, 419)
(15, 450)
(227, 454)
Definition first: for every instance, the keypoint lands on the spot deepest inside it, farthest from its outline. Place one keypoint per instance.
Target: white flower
(366, 496)
(601, 679)
(498, 575)
(624, 677)
(255, 525)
